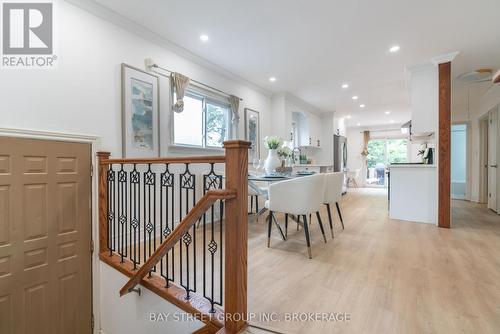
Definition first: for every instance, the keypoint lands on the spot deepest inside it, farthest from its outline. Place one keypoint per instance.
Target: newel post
(103, 200)
(236, 235)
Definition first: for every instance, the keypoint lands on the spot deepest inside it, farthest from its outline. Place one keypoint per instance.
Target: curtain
(366, 139)
(235, 106)
(181, 82)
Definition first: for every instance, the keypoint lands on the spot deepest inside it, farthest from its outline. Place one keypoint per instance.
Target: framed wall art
(140, 113)
(252, 132)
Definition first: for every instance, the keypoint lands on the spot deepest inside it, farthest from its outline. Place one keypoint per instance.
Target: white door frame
(483, 159)
(95, 143)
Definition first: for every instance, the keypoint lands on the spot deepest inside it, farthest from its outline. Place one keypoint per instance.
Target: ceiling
(312, 47)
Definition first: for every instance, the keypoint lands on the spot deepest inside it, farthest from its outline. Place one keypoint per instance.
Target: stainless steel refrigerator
(339, 153)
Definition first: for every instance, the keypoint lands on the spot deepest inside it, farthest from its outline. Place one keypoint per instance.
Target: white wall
(355, 145)
(283, 107)
(489, 100)
(325, 153)
(83, 96)
(354, 148)
(130, 314)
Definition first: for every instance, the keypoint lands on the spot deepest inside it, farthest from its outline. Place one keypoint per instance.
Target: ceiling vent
(479, 75)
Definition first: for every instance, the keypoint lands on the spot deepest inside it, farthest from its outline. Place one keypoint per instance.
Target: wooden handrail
(178, 160)
(235, 236)
(191, 218)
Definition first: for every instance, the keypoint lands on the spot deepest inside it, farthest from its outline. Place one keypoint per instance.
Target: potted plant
(285, 154)
(272, 160)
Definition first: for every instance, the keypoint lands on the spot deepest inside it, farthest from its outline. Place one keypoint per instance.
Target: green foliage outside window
(216, 125)
(386, 151)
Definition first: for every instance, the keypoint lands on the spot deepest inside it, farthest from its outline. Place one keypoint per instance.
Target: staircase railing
(153, 228)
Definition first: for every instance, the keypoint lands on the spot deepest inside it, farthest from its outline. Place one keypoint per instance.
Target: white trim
(195, 149)
(95, 143)
(30, 133)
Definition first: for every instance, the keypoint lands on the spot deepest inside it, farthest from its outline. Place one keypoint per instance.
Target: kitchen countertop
(312, 165)
(412, 166)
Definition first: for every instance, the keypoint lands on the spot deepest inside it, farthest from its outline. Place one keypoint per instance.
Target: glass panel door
(376, 163)
(381, 153)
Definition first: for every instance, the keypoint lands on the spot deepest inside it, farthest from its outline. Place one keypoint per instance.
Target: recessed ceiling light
(361, 105)
(392, 121)
(394, 48)
(387, 112)
(355, 97)
(204, 38)
(345, 86)
(348, 117)
(272, 79)
(358, 124)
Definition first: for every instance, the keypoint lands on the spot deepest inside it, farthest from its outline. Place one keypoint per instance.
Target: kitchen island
(413, 193)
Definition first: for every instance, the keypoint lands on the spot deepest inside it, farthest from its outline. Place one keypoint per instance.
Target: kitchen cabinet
(413, 193)
(424, 99)
(308, 127)
(313, 168)
(305, 168)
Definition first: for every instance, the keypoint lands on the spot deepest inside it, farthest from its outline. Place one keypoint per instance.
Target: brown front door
(45, 228)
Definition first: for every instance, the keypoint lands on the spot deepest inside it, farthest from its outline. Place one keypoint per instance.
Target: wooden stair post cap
(237, 144)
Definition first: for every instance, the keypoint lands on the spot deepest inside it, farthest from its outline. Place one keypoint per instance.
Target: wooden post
(103, 201)
(444, 165)
(236, 235)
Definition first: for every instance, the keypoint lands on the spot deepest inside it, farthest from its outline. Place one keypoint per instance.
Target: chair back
(299, 196)
(333, 187)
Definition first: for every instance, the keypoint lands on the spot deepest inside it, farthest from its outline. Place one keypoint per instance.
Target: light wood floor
(390, 276)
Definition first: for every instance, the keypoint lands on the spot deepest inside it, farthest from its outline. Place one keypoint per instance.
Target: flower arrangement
(284, 152)
(273, 142)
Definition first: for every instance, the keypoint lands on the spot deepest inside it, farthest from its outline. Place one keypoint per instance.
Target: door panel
(45, 224)
(492, 159)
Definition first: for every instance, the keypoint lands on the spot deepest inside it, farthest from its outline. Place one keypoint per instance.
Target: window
(203, 123)
(381, 153)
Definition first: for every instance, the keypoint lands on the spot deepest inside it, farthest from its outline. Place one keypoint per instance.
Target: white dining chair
(254, 192)
(300, 197)
(353, 177)
(333, 194)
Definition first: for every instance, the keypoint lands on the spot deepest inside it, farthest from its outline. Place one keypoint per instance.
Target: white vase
(272, 161)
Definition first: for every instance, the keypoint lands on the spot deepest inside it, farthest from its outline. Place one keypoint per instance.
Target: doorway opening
(459, 157)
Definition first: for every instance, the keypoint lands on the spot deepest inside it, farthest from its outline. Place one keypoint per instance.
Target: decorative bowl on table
(284, 170)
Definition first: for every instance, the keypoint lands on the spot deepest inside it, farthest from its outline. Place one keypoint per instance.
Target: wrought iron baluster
(172, 221)
(221, 253)
(166, 185)
(187, 183)
(111, 209)
(135, 200)
(149, 207)
(210, 181)
(122, 211)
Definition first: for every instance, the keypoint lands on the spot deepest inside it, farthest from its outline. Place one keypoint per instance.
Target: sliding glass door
(381, 153)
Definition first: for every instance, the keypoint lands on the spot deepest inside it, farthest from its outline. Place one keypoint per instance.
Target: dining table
(253, 179)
